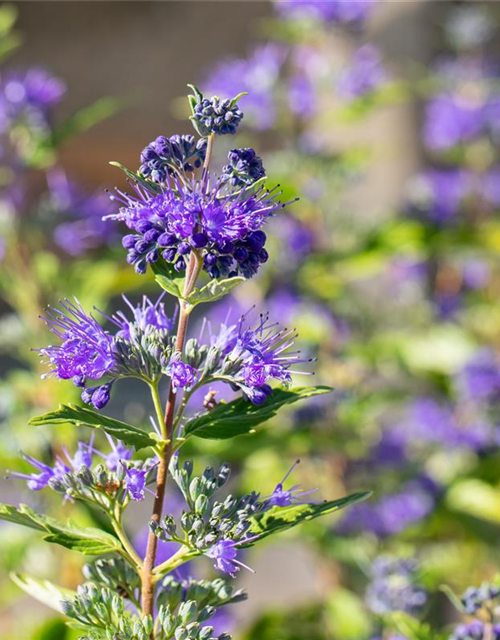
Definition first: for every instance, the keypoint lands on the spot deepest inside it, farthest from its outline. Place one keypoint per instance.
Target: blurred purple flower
(344, 12)
(480, 378)
(450, 120)
(365, 75)
(301, 96)
(165, 549)
(390, 515)
(84, 228)
(428, 421)
(476, 273)
(393, 586)
(438, 194)
(34, 90)
(257, 75)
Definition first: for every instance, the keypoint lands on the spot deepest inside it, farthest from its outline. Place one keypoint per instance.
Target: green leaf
(235, 100)
(86, 118)
(411, 628)
(23, 515)
(168, 278)
(84, 417)
(240, 416)
(452, 597)
(282, 518)
(43, 590)
(169, 285)
(86, 540)
(214, 290)
(149, 186)
(197, 93)
(8, 17)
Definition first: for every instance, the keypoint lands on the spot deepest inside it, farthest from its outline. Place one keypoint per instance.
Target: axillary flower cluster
(201, 235)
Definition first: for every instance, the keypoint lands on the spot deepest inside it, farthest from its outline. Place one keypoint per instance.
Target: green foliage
(136, 177)
(86, 118)
(85, 417)
(346, 615)
(42, 590)
(213, 291)
(239, 417)
(411, 628)
(207, 593)
(9, 39)
(291, 623)
(102, 613)
(282, 518)
(115, 574)
(86, 540)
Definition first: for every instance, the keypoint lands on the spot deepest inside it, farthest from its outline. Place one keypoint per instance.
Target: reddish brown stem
(147, 595)
(192, 272)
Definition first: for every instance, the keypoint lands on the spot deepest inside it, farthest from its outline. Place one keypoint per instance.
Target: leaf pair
(226, 420)
(170, 281)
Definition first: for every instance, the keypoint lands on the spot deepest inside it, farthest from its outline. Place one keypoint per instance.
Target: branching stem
(168, 425)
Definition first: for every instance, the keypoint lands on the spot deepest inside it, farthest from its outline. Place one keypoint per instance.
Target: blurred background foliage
(384, 118)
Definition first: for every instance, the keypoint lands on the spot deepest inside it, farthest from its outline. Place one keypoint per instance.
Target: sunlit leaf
(240, 416)
(85, 417)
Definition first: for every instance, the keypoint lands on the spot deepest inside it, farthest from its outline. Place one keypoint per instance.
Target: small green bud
(187, 611)
(201, 505)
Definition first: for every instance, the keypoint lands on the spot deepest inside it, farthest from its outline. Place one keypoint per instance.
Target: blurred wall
(145, 52)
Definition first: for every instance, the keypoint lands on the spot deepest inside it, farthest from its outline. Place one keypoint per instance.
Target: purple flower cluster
(365, 75)
(217, 116)
(39, 479)
(182, 375)
(258, 355)
(145, 316)
(224, 551)
(165, 155)
(243, 169)
(342, 12)
(86, 350)
(135, 478)
(225, 228)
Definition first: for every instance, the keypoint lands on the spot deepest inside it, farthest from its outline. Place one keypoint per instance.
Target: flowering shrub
(153, 348)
